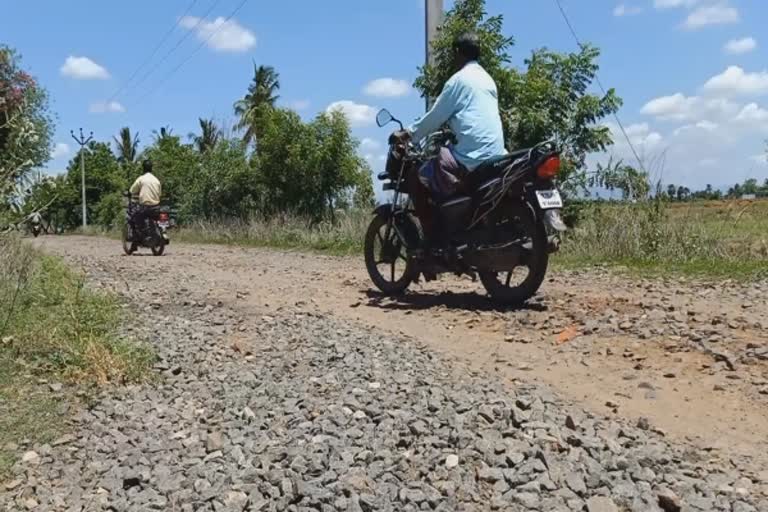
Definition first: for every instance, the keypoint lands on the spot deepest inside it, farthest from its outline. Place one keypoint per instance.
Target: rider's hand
(400, 136)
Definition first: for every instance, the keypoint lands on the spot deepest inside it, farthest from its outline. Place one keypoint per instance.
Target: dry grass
(693, 238)
(343, 236)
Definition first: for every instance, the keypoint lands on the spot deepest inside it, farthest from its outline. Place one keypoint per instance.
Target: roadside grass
(53, 330)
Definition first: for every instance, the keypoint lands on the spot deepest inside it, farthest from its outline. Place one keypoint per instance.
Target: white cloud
(718, 14)
(735, 80)
(668, 4)
(387, 88)
(221, 34)
(679, 107)
(626, 10)
(640, 135)
(61, 149)
(357, 113)
(83, 68)
(753, 113)
(740, 46)
(760, 159)
(101, 107)
(299, 104)
(705, 125)
(369, 145)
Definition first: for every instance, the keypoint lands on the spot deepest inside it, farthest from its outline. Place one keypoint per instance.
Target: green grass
(697, 239)
(53, 330)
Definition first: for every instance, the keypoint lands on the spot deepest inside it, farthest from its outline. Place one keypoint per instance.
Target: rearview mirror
(384, 117)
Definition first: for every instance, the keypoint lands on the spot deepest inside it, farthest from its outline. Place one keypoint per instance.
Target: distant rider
(148, 190)
(469, 104)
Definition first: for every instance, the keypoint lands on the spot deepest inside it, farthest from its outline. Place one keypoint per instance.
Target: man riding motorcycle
(469, 105)
(148, 189)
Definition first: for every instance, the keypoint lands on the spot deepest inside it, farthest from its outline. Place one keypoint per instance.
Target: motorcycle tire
(129, 247)
(390, 286)
(158, 248)
(35, 233)
(538, 261)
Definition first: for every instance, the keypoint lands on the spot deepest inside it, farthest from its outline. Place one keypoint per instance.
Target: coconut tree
(260, 99)
(209, 135)
(126, 146)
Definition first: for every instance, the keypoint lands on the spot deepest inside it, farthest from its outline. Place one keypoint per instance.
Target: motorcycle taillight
(163, 216)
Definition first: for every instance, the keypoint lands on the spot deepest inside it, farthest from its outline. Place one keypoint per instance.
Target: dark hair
(146, 166)
(468, 45)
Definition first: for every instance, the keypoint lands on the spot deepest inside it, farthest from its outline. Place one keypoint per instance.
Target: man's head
(466, 48)
(146, 166)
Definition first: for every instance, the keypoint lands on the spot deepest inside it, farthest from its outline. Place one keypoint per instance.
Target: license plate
(549, 199)
(163, 225)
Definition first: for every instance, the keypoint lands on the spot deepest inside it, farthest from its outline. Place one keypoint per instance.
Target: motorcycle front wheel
(388, 265)
(129, 247)
(517, 286)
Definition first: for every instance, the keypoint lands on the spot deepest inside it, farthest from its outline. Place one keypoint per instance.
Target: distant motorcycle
(36, 229)
(505, 218)
(151, 234)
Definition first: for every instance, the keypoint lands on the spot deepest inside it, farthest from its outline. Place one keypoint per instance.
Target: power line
(197, 49)
(151, 55)
(600, 84)
(178, 43)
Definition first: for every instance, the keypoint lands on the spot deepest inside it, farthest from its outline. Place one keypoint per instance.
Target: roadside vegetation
(57, 337)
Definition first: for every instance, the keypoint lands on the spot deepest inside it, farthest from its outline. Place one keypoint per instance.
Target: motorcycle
(36, 228)
(505, 221)
(151, 235)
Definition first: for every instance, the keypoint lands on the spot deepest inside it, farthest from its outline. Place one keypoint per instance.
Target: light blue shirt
(469, 103)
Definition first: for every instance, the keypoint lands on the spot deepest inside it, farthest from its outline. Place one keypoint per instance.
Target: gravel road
(283, 384)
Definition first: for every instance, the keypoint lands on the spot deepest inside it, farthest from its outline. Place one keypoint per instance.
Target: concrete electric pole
(433, 18)
(82, 141)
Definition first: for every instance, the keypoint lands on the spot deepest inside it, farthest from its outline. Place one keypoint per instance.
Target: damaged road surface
(269, 400)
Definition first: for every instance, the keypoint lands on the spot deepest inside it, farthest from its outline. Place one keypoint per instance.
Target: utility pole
(433, 19)
(83, 142)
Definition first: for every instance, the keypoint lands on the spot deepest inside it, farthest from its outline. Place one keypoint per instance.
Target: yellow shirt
(148, 188)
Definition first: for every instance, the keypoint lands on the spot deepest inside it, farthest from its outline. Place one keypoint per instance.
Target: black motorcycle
(151, 234)
(502, 226)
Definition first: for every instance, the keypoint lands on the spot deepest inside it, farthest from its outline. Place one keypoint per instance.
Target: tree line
(279, 164)
(750, 187)
(276, 163)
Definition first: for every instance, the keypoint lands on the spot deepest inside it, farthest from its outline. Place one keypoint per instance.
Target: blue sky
(692, 73)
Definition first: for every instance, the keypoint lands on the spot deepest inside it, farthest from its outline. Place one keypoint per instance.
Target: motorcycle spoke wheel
(516, 286)
(386, 259)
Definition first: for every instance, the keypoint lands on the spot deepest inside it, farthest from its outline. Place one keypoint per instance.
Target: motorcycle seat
(489, 170)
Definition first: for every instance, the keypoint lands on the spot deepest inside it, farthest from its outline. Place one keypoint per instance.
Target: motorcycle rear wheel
(158, 248)
(389, 253)
(499, 284)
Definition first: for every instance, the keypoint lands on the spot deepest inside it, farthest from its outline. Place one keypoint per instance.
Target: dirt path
(690, 357)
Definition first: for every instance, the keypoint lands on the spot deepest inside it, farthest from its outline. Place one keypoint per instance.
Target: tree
(671, 191)
(164, 133)
(26, 127)
(258, 101)
(547, 100)
(209, 136)
(309, 168)
(126, 146)
(633, 184)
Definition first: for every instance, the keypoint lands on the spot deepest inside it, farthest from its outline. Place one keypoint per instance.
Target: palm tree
(164, 133)
(261, 98)
(209, 135)
(127, 146)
